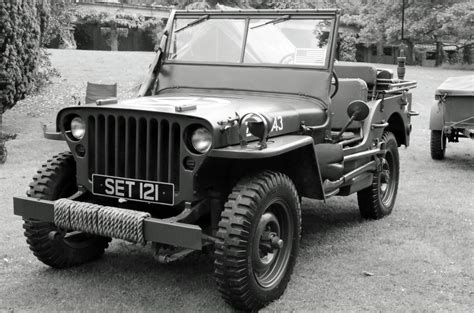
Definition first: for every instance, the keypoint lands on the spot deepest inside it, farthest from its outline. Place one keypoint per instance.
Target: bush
(347, 48)
(456, 57)
(21, 25)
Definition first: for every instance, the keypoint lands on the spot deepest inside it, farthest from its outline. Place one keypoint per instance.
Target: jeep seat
(96, 92)
(364, 71)
(350, 89)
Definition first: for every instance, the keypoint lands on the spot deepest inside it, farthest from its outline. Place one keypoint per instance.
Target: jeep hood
(216, 107)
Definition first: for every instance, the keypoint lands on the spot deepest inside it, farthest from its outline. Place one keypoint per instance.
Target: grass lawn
(421, 256)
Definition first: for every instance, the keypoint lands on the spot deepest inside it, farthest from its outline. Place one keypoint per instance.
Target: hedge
(21, 25)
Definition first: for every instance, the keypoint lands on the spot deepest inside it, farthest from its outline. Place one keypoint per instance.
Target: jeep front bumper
(155, 230)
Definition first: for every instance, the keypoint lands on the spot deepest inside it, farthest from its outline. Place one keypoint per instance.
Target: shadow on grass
(125, 279)
(463, 162)
(339, 213)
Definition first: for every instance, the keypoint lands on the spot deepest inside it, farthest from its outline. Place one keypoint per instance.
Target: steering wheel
(335, 83)
(288, 59)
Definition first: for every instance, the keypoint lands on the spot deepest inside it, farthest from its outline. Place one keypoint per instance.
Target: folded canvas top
(457, 86)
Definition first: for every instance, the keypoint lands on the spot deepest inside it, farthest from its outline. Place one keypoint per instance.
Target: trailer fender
(436, 115)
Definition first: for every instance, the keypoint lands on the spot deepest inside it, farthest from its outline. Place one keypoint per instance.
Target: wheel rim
(273, 244)
(387, 180)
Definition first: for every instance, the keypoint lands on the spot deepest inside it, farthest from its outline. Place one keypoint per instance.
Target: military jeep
(240, 115)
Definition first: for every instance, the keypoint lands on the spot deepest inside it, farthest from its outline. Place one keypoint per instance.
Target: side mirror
(358, 110)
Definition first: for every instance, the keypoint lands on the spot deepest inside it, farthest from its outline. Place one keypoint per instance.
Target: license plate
(133, 189)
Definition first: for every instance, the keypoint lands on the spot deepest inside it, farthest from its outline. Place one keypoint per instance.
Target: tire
(378, 200)
(437, 145)
(53, 246)
(252, 267)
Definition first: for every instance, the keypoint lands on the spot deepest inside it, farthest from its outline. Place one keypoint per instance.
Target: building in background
(126, 25)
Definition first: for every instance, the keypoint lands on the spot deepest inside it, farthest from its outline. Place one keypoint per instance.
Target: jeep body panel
(293, 81)
(276, 147)
(216, 106)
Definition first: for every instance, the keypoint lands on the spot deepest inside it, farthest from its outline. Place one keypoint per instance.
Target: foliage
(21, 26)
(376, 21)
(456, 57)
(281, 4)
(45, 71)
(209, 4)
(347, 47)
(425, 22)
(62, 15)
(114, 26)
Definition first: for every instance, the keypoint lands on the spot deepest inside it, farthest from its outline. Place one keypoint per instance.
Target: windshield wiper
(195, 22)
(274, 21)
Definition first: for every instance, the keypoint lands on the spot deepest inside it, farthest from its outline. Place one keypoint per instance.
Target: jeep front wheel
(258, 240)
(53, 246)
(377, 200)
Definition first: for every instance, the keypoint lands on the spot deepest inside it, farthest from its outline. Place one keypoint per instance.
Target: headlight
(78, 128)
(201, 139)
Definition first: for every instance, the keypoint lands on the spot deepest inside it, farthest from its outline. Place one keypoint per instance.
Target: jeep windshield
(288, 40)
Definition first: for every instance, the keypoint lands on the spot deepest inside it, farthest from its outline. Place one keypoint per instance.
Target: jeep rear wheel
(259, 235)
(378, 200)
(437, 145)
(51, 245)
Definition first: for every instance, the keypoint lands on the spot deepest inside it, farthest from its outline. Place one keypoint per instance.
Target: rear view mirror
(358, 110)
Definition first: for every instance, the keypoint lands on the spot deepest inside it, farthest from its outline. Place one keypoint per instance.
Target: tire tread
(46, 185)
(233, 234)
(436, 141)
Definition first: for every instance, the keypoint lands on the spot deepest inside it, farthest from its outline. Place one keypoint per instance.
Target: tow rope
(100, 220)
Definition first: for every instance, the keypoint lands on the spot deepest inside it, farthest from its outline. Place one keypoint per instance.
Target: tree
(62, 15)
(347, 47)
(425, 22)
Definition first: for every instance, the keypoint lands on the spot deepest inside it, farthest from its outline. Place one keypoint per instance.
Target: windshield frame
(247, 15)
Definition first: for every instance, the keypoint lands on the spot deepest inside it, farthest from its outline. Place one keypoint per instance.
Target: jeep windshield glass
(287, 40)
(212, 40)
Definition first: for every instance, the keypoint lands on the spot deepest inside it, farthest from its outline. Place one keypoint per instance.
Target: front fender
(293, 155)
(276, 146)
(436, 116)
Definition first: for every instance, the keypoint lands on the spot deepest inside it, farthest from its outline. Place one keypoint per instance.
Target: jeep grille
(134, 147)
